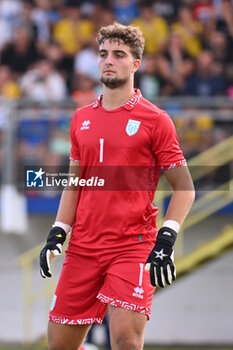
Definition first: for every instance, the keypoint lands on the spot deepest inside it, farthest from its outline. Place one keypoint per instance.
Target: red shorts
(92, 280)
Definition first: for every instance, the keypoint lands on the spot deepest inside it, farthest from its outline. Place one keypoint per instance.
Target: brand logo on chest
(132, 127)
(85, 125)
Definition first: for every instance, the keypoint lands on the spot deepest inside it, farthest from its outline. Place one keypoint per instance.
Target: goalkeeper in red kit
(116, 256)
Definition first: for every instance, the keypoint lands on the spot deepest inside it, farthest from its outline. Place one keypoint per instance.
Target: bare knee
(128, 342)
(126, 338)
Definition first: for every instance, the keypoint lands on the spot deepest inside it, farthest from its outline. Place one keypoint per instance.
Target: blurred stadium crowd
(48, 48)
(48, 51)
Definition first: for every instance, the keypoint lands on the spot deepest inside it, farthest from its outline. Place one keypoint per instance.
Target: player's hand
(160, 262)
(52, 248)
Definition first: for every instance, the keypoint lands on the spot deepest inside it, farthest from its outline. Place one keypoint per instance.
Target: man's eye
(102, 54)
(118, 55)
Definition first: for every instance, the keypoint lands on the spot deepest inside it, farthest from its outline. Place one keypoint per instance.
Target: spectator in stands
(204, 82)
(36, 20)
(219, 47)
(25, 20)
(40, 16)
(22, 53)
(72, 31)
(72, 24)
(103, 16)
(188, 3)
(84, 90)
(125, 10)
(147, 79)
(5, 33)
(8, 87)
(54, 12)
(167, 9)
(62, 62)
(202, 10)
(86, 61)
(189, 30)
(222, 18)
(11, 11)
(101, 12)
(174, 66)
(153, 27)
(43, 83)
(224, 22)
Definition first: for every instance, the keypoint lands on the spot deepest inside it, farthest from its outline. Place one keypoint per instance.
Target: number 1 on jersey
(101, 150)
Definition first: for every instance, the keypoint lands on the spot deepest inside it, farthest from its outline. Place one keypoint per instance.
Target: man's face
(205, 63)
(116, 63)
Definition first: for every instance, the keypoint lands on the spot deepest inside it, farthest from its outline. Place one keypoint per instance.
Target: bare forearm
(183, 193)
(67, 208)
(180, 205)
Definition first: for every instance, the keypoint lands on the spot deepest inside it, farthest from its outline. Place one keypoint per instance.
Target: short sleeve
(165, 144)
(75, 154)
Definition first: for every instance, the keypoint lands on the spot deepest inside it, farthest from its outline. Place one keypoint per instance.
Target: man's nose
(109, 59)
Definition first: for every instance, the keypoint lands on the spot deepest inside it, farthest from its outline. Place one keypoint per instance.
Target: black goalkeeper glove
(52, 248)
(161, 259)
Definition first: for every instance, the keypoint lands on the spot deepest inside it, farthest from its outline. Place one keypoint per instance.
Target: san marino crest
(132, 127)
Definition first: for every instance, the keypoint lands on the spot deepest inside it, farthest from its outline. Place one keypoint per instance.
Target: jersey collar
(128, 105)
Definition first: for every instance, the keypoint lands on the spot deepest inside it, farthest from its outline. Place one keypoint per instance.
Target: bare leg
(126, 329)
(66, 337)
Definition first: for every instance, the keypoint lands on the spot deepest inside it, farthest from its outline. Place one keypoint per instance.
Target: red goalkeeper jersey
(126, 147)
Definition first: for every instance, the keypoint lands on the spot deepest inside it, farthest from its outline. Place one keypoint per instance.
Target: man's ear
(136, 65)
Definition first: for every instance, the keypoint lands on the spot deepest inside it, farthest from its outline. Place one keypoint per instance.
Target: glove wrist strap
(174, 225)
(166, 236)
(67, 228)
